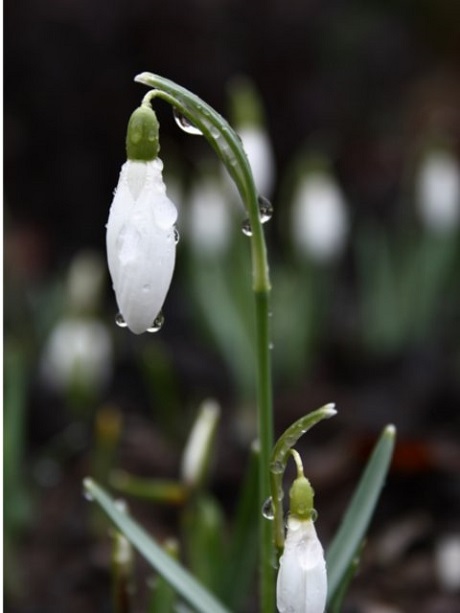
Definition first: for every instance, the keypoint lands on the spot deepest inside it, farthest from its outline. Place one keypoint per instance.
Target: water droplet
(157, 323)
(185, 125)
(176, 235)
(265, 209)
(146, 288)
(314, 515)
(267, 509)
(277, 467)
(246, 228)
(120, 321)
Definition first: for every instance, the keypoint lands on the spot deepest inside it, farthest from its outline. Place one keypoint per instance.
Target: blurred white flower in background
(77, 354)
(258, 148)
(208, 220)
(447, 560)
(85, 281)
(438, 191)
(319, 217)
(248, 117)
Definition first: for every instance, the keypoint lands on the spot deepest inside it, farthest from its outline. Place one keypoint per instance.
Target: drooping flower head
(302, 581)
(141, 237)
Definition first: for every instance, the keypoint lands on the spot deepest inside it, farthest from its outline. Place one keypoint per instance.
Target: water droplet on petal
(120, 321)
(246, 228)
(185, 125)
(157, 323)
(176, 235)
(265, 209)
(146, 288)
(267, 509)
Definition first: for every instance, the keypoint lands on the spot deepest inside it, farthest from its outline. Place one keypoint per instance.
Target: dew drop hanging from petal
(176, 235)
(120, 321)
(157, 323)
(185, 125)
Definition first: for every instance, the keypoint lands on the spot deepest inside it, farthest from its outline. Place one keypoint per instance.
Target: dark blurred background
(371, 86)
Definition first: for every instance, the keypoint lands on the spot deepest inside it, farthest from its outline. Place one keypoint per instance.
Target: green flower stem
(228, 147)
(279, 458)
(265, 424)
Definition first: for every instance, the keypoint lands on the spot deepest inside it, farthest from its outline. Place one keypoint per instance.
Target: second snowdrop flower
(302, 581)
(141, 236)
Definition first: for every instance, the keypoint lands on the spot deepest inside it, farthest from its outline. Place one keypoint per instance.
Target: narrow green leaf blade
(184, 583)
(356, 520)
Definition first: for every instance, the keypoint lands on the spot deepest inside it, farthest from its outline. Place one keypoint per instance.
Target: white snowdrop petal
(140, 244)
(302, 580)
(134, 174)
(165, 212)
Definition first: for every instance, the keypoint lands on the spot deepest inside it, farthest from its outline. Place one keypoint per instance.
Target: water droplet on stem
(246, 228)
(185, 125)
(265, 209)
(267, 509)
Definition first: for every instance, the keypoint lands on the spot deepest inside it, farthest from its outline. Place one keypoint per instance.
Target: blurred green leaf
(185, 584)
(342, 551)
(163, 596)
(242, 558)
(158, 490)
(204, 542)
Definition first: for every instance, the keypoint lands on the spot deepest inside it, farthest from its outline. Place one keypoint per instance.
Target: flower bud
(301, 586)
(141, 245)
(142, 140)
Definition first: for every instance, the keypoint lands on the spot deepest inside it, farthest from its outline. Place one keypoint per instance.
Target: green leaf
(205, 549)
(242, 559)
(356, 520)
(158, 490)
(184, 583)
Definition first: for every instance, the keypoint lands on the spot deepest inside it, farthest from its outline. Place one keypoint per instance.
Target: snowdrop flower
(438, 191)
(319, 217)
(302, 581)
(85, 281)
(209, 223)
(77, 353)
(248, 115)
(196, 456)
(141, 243)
